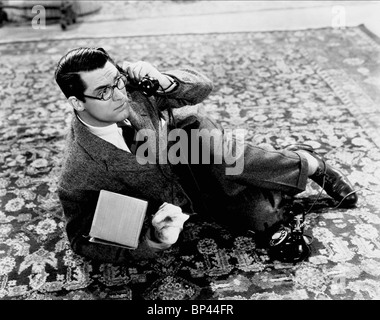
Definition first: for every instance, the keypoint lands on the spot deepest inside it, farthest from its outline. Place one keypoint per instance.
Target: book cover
(118, 220)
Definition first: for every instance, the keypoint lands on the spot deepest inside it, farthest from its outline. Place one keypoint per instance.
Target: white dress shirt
(112, 134)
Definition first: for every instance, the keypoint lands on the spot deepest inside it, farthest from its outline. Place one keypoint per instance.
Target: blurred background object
(21, 10)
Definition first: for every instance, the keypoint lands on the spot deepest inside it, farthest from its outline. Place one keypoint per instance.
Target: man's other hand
(168, 223)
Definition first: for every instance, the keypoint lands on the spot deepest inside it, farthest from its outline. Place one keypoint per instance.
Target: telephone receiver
(148, 86)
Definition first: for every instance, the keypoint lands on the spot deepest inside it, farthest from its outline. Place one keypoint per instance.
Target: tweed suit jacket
(92, 164)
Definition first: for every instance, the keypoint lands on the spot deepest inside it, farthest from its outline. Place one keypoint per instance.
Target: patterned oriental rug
(317, 86)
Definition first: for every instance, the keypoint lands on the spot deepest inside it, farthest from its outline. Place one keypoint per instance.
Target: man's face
(99, 112)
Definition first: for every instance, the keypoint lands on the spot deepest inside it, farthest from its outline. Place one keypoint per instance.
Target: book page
(118, 218)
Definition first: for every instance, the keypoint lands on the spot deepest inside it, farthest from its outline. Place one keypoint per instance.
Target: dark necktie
(129, 135)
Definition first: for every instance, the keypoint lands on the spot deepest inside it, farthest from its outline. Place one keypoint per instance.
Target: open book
(118, 220)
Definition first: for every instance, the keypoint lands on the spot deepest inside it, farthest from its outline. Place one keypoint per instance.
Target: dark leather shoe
(331, 180)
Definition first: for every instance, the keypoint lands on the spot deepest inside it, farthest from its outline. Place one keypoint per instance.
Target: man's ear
(76, 104)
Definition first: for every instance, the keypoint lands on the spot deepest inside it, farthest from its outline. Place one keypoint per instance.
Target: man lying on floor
(240, 185)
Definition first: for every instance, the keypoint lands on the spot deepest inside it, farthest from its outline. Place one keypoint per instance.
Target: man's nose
(118, 94)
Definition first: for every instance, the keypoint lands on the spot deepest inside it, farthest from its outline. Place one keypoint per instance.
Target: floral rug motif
(313, 86)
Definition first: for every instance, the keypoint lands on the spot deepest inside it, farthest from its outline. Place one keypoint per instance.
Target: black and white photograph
(189, 151)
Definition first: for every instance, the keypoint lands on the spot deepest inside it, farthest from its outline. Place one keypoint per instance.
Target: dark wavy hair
(67, 73)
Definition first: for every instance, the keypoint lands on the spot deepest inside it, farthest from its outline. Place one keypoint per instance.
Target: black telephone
(289, 243)
(148, 86)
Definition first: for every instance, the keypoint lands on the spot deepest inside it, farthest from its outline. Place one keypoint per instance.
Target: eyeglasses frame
(112, 88)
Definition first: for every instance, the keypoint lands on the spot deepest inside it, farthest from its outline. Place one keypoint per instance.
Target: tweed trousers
(254, 199)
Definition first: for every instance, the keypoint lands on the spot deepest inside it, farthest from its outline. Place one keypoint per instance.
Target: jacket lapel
(105, 153)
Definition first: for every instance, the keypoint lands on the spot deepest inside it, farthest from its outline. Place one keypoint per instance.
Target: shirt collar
(100, 131)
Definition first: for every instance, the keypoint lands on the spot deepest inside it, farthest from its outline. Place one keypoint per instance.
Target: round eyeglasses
(107, 92)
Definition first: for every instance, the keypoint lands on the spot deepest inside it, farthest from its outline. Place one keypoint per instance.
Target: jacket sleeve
(193, 87)
(79, 207)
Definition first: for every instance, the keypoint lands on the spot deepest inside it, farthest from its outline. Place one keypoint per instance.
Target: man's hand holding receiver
(138, 70)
